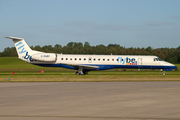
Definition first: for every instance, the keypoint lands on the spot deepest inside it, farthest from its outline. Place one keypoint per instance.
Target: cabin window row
(90, 59)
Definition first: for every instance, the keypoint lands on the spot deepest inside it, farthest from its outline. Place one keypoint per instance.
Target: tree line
(171, 55)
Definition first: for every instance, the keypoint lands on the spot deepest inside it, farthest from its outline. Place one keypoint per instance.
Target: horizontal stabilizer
(14, 38)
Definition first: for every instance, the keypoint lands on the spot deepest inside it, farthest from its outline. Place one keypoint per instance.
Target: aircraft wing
(87, 67)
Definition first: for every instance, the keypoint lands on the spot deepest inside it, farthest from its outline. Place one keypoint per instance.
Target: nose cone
(168, 65)
(172, 66)
(175, 67)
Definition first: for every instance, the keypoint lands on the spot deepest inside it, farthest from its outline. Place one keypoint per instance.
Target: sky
(129, 23)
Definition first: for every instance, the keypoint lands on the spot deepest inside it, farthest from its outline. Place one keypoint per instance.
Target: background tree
(168, 54)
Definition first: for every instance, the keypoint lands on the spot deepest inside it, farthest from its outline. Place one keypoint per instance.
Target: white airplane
(85, 63)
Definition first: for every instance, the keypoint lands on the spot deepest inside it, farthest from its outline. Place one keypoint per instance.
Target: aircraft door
(90, 59)
(140, 62)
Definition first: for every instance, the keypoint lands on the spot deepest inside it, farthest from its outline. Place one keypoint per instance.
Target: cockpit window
(157, 59)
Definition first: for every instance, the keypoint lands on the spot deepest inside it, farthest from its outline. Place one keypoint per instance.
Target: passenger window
(84, 59)
(98, 59)
(70, 58)
(75, 59)
(107, 59)
(94, 59)
(61, 58)
(103, 59)
(79, 58)
(112, 59)
(66, 58)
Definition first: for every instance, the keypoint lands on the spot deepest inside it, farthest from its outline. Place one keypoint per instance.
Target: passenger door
(140, 62)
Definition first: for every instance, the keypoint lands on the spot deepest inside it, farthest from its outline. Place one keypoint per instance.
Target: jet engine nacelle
(47, 57)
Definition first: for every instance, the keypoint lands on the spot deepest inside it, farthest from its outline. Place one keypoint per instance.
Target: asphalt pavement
(90, 100)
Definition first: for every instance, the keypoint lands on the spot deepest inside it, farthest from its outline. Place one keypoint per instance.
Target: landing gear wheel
(85, 72)
(164, 73)
(77, 73)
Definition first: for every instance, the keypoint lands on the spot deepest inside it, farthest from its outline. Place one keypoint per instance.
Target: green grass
(178, 65)
(15, 64)
(25, 72)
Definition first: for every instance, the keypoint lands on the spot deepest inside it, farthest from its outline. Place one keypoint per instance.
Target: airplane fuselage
(85, 63)
(104, 62)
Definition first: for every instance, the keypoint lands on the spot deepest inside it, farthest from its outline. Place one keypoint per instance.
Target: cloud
(158, 24)
(175, 17)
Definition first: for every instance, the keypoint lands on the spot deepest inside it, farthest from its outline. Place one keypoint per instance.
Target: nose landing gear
(164, 72)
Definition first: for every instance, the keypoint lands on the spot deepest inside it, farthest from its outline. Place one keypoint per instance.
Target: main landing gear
(81, 73)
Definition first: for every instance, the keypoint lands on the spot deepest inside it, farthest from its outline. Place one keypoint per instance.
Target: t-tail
(25, 53)
(23, 50)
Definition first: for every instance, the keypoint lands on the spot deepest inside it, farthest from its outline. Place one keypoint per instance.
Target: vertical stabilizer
(23, 50)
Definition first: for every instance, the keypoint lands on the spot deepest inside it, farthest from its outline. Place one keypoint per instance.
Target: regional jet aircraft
(85, 63)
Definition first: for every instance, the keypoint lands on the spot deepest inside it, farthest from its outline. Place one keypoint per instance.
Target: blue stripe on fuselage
(105, 67)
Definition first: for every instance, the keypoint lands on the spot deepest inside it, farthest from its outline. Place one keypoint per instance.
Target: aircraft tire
(77, 73)
(164, 73)
(85, 72)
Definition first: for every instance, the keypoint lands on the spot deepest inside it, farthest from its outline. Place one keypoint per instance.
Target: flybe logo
(19, 46)
(127, 61)
(28, 57)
